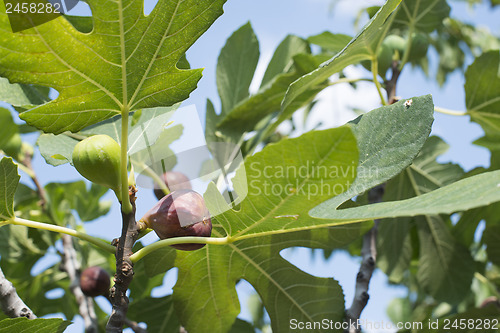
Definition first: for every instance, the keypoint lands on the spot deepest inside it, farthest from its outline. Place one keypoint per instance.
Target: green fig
(395, 43)
(97, 158)
(13, 146)
(419, 46)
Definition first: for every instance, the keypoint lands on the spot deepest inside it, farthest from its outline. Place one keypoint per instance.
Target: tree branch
(134, 326)
(369, 257)
(72, 267)
(70, 262)
(390, 85)
(124, 268)
(12, 305)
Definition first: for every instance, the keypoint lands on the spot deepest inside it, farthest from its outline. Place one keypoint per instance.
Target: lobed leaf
(158, 313)
(263, 224)
(482, 83)
(362, 47)
(39, 325)
(138, 53)
(422, 176)
(422, 15)
(477, 191)
(236, 66)
(9, 180)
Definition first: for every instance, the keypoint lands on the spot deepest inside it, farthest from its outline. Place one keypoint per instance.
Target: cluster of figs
(180, 213)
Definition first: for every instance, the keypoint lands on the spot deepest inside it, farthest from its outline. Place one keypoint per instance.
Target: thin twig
(70, 262)
(369, 257)
(72, 267)
(124, 268)
(12, 305)
(135, 326)
(130, 323)
(390, 86)
(369, 250)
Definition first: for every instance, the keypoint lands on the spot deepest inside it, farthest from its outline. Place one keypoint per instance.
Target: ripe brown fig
(174, 180)
(94, 281)
(490, 300)
(178, 214)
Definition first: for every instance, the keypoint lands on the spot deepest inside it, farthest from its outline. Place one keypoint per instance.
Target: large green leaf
(205, 290)
(482, 83)
(286, 291)
(423, 15)
(282, 60)
(157, 313)
(424, 175)
(39, 325)
(66, 197)
(285, 179)
(330, 42)
(362, 47)
(236, 66)
(16, 243)
(246, 113)
(9, 179)
(138, 53)
(476, 191)
(267, 215)
(446, 267)
(399, 135)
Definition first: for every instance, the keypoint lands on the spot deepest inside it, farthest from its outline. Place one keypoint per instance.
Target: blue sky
(272, 21)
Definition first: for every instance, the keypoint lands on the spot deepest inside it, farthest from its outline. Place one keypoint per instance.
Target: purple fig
(174, 180)
(94, 281)
(178, 214)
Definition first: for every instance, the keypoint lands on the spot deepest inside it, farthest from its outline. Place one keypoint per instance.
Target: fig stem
(178, 240)
(407, 50)
(375, 79)
(154, 176)
(26, 170)
(450, 112)
(63, 230)
(126, 205)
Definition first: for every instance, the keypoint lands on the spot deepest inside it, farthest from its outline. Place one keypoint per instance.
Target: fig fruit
(395, 43)
(94, 281)
(174, 180)
(419, 47)
(179, 214)
(13, 146)
(97, 158)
